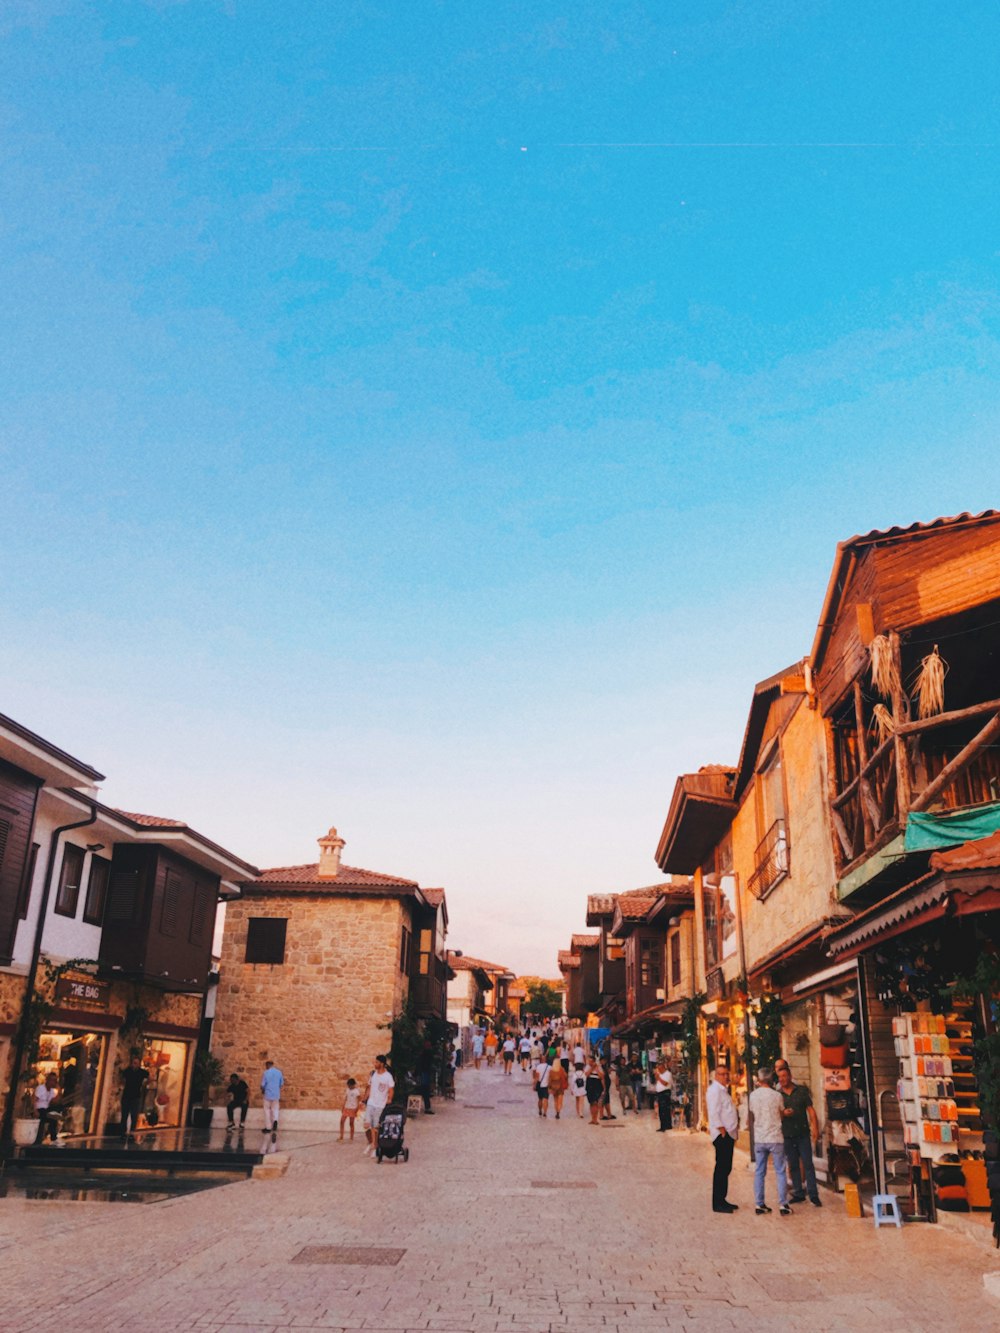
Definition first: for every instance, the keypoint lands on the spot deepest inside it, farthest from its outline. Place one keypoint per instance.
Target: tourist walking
(558, 1083)
(48, 1109)
(424, 1070)
(801, 1135)
(239, 1100)
(766, 1116)
(594, 1088)
(635, 1076)
(491, 1048)
(723, 1124)
(377, 1097)
(540, 1078)
(271, 1082)
(478, 1046)
(664, 1095)
(524, 1048)
(578, 1087)
(509, 1048)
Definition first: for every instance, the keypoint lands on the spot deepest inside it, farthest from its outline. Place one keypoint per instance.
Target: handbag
(833, 1057)
(831, 1034)
(841, 1106)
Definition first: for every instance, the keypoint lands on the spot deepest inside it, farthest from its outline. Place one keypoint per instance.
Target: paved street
(504, 1222)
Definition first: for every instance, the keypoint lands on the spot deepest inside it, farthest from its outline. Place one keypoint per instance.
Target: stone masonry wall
(807, 894)
(317, 1015)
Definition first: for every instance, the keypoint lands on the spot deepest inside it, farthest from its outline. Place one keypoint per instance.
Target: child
(349, 1111)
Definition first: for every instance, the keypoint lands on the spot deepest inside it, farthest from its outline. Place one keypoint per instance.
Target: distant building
(316, 961)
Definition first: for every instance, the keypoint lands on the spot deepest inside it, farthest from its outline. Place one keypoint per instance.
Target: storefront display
(165, 1062)
(77, 1060)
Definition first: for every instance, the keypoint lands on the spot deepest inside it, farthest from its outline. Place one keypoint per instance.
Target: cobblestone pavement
(505, 1224)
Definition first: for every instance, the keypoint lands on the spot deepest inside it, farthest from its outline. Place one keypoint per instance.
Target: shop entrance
(77, 1060)
(166, 1062)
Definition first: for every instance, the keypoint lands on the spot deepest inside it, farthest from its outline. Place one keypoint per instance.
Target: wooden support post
(900, 714)
(866, 802)
(842, 849)
(952, 769)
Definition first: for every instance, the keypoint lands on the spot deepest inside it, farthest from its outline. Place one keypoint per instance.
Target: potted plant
(206, 1075)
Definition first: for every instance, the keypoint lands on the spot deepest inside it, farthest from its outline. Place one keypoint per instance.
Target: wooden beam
(900, 714)
(945, 719)
(866, 803)
(955, 766)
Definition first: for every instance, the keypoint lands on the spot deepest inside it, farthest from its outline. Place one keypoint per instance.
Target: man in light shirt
(766, 1114)
(271, 1082)
(723, 1124)
(377, 1097)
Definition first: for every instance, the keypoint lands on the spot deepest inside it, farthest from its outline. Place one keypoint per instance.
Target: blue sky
(433, 418)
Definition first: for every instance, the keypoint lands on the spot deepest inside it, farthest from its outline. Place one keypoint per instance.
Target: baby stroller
(390, 1134)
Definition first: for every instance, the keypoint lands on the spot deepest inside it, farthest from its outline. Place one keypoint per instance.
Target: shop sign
(84, 992)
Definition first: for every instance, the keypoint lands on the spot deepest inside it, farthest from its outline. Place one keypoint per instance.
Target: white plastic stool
(885, 1209)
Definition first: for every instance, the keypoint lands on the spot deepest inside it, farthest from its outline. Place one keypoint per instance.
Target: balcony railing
(771, 860)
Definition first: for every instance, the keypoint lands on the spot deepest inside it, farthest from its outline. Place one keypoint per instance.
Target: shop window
(24, 896)
(266, 939)
(405, 951)
(70, 877)
(77, 1060)
(97, 890)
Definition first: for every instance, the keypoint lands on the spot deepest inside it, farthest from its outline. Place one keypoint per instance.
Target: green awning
(926, 832)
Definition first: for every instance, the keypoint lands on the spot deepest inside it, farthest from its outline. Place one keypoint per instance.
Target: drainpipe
(747, 1038)
(6, 1130)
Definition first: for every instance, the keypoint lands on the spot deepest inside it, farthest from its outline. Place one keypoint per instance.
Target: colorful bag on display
(837, 1080)
(833, 1057)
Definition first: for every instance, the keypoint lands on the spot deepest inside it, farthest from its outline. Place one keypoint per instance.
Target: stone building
(316, 960)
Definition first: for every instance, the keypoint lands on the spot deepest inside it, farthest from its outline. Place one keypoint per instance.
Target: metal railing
(770, 860)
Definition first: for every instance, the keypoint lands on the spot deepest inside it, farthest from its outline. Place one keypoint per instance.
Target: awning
(926, 832)
(927, 899)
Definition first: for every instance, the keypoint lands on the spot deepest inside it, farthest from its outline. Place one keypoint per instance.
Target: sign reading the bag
(83, 991)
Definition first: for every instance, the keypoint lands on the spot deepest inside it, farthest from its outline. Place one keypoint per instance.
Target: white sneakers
(368, 1151)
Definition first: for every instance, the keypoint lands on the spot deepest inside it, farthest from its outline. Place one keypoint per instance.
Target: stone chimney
(330, 848)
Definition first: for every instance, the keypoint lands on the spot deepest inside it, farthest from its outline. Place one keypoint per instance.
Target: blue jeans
(799, 1153)
(763, 1152)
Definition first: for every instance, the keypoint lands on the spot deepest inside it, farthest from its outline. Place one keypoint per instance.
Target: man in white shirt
(723, 1124)
(377, 1096)
(540, 1078)
(766, 1113)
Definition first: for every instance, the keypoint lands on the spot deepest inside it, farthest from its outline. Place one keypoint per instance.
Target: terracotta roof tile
(466, 964)
(152, 821)
(584, 942)
(568, 959)
(348, 877)
(634, 909)
(980, 854)
(434, 896)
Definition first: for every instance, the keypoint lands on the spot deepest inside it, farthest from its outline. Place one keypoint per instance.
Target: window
(70, 877)
(24, 897)
(675, 959)
(426, 941)
(123, 896)
(266, 939)
(97, 890)
(649, 963)
(171, 904)
(405, 951)
(201, 914)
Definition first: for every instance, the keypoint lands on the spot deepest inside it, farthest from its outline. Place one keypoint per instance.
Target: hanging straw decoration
(881, 727)
(883, 669)
(929, 691)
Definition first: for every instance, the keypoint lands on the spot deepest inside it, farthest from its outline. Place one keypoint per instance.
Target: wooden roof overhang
(700, 812)
(931, 898)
